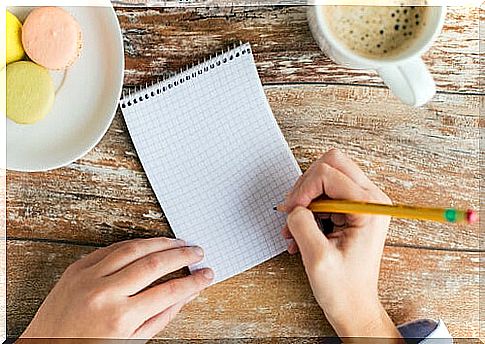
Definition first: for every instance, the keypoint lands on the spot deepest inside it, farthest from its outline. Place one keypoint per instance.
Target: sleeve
(425, 331)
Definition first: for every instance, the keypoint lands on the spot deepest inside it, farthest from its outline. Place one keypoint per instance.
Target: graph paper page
(216, 159)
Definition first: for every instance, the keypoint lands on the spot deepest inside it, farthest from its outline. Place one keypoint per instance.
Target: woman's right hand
(343, 267)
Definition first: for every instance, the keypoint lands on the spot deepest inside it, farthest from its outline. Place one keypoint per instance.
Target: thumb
(308, 236)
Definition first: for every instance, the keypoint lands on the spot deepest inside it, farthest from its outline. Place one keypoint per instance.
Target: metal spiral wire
(141, 93)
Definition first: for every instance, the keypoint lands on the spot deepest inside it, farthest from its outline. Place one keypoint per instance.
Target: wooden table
(428, 156)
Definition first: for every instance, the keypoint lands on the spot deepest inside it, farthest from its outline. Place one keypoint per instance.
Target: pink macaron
(52, 38)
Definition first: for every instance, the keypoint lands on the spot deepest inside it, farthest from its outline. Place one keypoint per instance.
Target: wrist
(367, 321)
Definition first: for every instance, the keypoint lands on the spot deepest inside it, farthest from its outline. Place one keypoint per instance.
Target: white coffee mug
(406, 74)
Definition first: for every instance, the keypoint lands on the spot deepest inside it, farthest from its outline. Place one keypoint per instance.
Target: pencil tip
(275, 208)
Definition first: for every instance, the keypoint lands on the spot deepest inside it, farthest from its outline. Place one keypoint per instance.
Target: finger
(343, 163)
(295, 187)
(143, 272)
(131, 251)
(325, 224)
(157, 323)
(284, 207)
(158, 298)
(297, 197)
(285, 232)
(339, 220)
(95, 256)
(333, 183)
(293, 247)
(323, 179)
(308, 236)
(336, 235)
(338, 185)
(340, 161)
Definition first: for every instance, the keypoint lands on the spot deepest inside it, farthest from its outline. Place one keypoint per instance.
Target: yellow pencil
(401, 211)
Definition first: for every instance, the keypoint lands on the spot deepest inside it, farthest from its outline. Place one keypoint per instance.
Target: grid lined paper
(216, 160)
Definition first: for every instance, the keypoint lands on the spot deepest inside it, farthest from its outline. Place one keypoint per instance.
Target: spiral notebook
(216, 159)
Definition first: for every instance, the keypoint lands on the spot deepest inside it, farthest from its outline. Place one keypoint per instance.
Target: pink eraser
(471, 216)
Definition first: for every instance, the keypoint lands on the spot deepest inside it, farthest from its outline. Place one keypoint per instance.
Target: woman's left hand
(107, 294)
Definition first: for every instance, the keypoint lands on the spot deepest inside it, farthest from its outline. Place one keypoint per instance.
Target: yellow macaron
(30, 92)
(15, 50)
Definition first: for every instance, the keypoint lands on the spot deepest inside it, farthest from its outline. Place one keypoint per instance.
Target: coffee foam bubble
(376, 31)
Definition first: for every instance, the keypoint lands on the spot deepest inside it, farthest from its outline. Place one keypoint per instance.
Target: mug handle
(410, 81)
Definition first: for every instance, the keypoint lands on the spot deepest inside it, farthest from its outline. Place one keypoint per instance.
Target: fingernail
(208, 274)
(180, 242)
(198, 251)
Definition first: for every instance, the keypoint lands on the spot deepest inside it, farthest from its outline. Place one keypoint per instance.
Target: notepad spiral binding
(140, 94)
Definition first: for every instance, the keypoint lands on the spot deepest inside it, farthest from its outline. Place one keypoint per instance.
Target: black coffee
(376, 31)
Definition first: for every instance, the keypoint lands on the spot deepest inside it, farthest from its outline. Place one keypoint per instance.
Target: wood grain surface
(105, 197)
(255, 3)
(163, 40)
(428, 156)
(274, 299)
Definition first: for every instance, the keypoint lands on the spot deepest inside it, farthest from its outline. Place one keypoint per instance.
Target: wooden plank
(222, 3)
(427, 156)
(273, 299)
(199, 3)
(159, 41)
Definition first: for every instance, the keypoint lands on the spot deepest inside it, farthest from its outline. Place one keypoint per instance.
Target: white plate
(85, 104)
